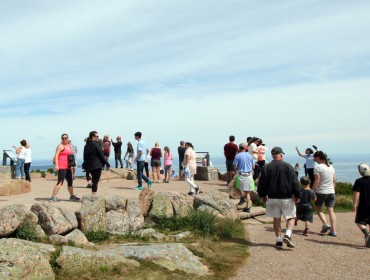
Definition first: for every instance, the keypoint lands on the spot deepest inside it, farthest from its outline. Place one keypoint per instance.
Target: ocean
(345, 165)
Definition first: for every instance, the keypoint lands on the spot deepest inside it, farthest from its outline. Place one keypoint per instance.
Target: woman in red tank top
(60, 160)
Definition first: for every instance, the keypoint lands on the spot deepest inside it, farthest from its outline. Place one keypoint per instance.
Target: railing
(13, 158)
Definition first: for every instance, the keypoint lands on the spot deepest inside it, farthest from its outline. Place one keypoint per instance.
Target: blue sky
(291, 72)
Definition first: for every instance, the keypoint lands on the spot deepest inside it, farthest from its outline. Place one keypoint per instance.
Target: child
(296, 169)
(361, 193)
(304, 207)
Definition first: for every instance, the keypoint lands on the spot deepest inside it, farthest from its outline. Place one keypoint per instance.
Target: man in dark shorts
(230, 150)
(181, 150)
(361, 201)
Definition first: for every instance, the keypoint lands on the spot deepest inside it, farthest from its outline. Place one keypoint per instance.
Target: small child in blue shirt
(304, 206)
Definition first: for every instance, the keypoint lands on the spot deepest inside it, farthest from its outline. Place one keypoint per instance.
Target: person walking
(304, 206)
(243, 164)
(62, 162)
(230, 150)
(130, 154)
(324, 186)
(117, 151)
(141, 154)
(27, 162)
(94, 160)
(181, 152)
(21, 154)
(279, 188)
(190, 168)
(361, 201)
(155, 162)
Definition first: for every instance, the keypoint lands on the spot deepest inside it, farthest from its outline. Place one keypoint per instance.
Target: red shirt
(230, 149)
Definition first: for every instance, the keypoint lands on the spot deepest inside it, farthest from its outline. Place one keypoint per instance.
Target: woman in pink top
(155, 162)
(167, 164)
(60, 160)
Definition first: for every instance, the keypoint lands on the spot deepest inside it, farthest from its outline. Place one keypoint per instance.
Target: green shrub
(43, 174)
(343, 202)
(26, 232)
(228, 228)
(97, 236)
(343, 189)
(50, 170)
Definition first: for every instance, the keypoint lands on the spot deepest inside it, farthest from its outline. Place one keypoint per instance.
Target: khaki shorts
(245, 182)
(277, 208)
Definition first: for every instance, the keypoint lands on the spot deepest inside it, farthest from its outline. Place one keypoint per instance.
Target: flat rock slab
(255, 211)
(264, 219)
(171, 256)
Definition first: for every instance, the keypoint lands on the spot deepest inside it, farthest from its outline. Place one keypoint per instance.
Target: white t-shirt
(253, 148)
(326, 183)
(28, 155)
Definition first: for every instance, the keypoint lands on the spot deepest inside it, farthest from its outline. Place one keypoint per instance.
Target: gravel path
(314, 257)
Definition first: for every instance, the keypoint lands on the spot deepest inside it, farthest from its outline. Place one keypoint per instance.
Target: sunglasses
(64, 137)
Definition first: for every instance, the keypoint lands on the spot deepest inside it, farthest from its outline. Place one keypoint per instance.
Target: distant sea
(345, 165)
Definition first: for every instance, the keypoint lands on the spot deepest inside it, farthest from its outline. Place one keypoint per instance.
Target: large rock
(146, 198)
(115, 202)
(14, 187)
(22, 259)
(182, 204)
(219, 201)
(233, 191)
(76, 259)
(255, 211)
(54, 219)
(30, 221)
(92, 216)
(161, 206)
(171, 256)
(117, 222)
(11, 217)
(77, 237)
(135, 216)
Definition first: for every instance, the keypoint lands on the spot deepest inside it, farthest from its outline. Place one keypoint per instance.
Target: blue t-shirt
(141, 146)
(244, 162)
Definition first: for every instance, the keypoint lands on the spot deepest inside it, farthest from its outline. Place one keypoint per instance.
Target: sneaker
(325, 228)
(332, 233)
(279, 244)
(367, 240)
(150, 182)
(191, 193)
(248, 210)
(53, 199)
(305, 232)
(241, 202)
(288, 241)
(197, 190)
(74, 198)
(89, 185)
(139, 188)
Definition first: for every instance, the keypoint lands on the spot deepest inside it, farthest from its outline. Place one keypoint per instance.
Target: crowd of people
(277, 182)
(287, 197)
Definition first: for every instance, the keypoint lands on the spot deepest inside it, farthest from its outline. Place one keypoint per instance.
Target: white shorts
(245, 182)
(276, 208)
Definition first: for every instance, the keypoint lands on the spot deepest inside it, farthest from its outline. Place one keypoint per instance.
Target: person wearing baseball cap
(244, 164)
(361, 201)
(277, 185)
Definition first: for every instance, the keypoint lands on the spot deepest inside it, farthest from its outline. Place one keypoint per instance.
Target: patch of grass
(130, 237)
(228, 228)
(200, 222)
(27, 232)
(97, 236)
(53, 258)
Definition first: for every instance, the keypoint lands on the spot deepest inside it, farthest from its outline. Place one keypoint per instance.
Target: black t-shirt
(307, 196)
(181, 150)
(117, 146)
(362, 185)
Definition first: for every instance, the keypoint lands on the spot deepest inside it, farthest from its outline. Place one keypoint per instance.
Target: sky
(294, 73)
